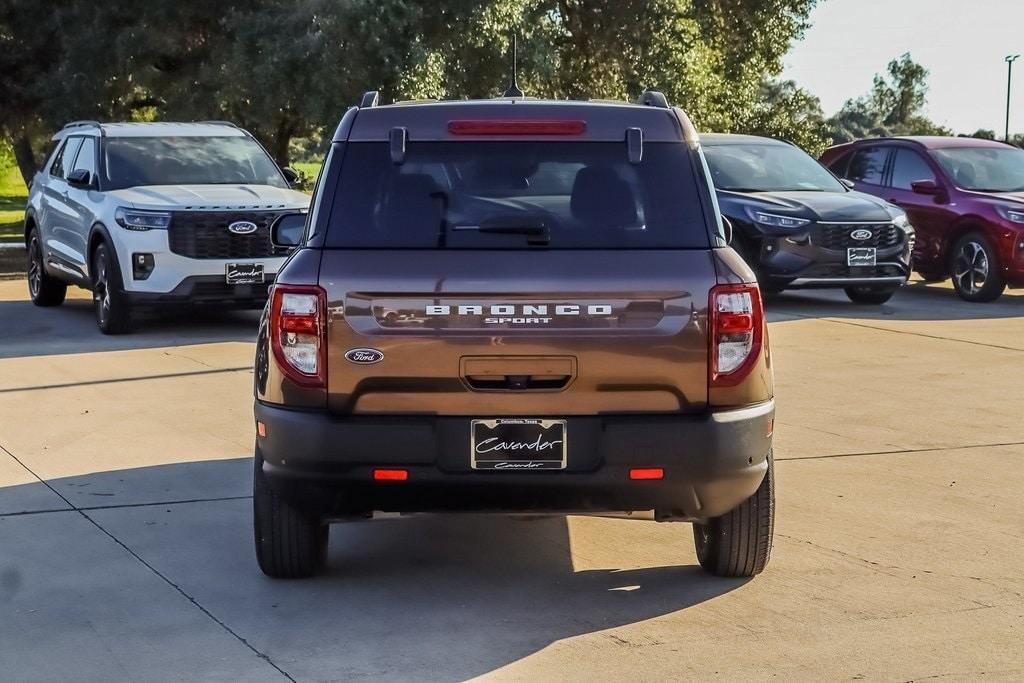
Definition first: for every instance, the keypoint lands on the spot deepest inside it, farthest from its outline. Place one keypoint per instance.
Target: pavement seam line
(838, 321)
(153, 569)
(116, 380)
(123, 505)
(904, 451)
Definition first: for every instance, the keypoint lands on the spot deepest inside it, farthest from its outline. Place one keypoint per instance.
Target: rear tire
(977, 273)
(113, 312)
(739, 543)
(870, 295)
(290, 543)
(44, 289)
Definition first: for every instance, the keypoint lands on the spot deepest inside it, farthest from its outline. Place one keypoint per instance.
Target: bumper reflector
(261, 429)
(390, 475)
(646, 473)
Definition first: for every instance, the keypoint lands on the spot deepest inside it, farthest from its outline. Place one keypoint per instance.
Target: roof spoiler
(92, 124)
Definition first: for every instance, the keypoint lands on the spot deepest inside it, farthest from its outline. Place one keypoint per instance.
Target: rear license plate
(243, 273)
(860, 256)
(518, 444)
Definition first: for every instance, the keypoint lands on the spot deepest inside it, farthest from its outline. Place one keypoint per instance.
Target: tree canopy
(893, 107)
(289, 68)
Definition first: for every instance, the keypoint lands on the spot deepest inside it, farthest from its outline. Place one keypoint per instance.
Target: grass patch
(13, 194)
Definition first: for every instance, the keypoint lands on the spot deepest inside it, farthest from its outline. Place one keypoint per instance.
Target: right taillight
(736, 329)
(297, 332)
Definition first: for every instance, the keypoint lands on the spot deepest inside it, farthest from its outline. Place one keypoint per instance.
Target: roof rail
(220, 123)
(653, 98)
(370, 99)
(79, 124)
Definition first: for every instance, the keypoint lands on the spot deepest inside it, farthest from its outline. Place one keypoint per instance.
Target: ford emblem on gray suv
(364, 356)
(861, 234)
(242, 227)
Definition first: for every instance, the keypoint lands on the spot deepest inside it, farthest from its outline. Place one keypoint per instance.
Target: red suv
(964, 197)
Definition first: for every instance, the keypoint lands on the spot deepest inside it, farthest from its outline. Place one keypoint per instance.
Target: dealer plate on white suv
(518, 444)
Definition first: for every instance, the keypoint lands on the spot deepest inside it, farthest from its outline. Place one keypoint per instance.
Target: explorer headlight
(775, 221)
(133, 219)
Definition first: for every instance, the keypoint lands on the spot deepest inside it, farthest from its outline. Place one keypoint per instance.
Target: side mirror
(80, 178)
(926, 187)
(290, 175)
(727, 225)
(849, 183)
(287, 230)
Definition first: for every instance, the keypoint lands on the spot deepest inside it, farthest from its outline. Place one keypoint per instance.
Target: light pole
(1010, 59)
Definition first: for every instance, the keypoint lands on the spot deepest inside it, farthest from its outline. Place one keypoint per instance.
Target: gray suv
(513, 305)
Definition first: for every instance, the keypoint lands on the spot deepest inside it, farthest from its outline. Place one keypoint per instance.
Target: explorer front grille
(205, 235)
(837, 235)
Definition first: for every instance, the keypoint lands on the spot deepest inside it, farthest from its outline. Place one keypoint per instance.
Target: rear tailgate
(517, 332)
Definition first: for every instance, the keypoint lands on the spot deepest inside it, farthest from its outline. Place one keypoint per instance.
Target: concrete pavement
(126, 550)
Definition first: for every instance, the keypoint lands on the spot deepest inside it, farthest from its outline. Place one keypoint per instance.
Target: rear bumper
(712, 462)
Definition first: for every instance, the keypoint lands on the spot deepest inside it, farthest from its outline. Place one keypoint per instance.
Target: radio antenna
(513, 88)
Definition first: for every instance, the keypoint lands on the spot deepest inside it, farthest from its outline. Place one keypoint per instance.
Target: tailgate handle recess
(518, 373)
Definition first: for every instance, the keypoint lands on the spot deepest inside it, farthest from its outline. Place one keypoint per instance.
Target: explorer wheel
(870, 295)
(44, 289)
(290, 543)
(739, 543)
(976, 270)
(113, 313)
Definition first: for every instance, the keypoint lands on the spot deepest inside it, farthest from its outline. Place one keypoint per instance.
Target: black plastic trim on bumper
(712, 461)
(206, 289)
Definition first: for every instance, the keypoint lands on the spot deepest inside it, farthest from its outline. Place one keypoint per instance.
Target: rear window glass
(515, 195)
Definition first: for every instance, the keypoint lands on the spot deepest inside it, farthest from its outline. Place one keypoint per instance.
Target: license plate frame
(244, 273)
(857, 257)
(532, 435)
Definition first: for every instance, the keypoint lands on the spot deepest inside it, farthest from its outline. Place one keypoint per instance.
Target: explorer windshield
(509, 195)
(207, 160)
(767, 168)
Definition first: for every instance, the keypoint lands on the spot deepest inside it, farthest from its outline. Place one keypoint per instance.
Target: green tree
(893, 107)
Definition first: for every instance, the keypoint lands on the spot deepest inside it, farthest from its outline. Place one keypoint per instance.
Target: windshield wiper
(535, 229)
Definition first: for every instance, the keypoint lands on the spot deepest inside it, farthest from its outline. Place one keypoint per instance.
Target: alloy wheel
(971, 268)
(101, 290)
(35, 268)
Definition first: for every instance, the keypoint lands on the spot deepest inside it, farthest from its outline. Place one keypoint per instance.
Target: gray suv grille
(205, 235)
(837, 235)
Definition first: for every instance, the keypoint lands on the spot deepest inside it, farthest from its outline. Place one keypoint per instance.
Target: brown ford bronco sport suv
(513, 305)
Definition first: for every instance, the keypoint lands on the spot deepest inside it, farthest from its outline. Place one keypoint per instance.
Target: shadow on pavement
(71, 328)
(916, 301)
(422, 597)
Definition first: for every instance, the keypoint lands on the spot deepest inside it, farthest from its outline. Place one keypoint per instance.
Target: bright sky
(962, 42)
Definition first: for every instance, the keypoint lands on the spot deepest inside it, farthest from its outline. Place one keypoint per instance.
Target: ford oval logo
(364, 356)
(861, 234)
(242, 227)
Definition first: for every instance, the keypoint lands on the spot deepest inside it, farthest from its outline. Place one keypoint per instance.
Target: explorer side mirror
(80, 178)
(849, 183)
(287, 230)
(926, 187)
(290, 175)
(727, 225)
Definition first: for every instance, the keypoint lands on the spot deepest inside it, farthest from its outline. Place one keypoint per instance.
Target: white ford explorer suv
(146, 214)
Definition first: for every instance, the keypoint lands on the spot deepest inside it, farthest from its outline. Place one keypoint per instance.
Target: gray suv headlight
(134, 219)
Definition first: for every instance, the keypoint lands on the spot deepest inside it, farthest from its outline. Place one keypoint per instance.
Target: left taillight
(736, 330)
(297, 333)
